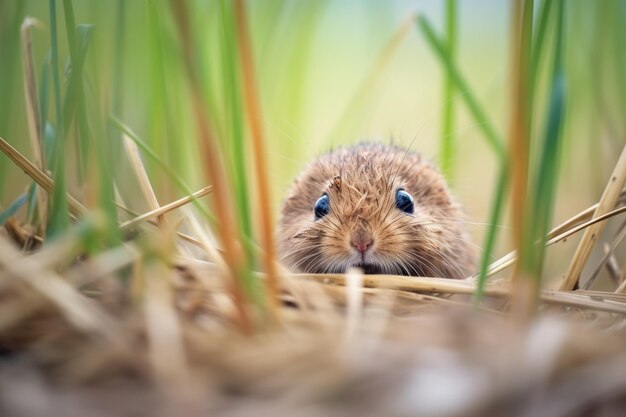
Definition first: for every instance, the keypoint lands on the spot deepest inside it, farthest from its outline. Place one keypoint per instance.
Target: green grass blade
(71, 101)
(253, 116)
(163, 104)
(493, 139)
(79, 38)
(98, 147)
(13, 208)
(117, 101)
(539, 41)
(547, 173)
(33, 208)
(494, 219)
(11, 16)
(235, 144)
(70, 28)
(478, 113)
(447, 147)
(159, 106)
(44, 90)
(58, 220)
(236, 122)
(118, 61)
(49, 136)
(213, 164)
(546, 177)
(84, 33)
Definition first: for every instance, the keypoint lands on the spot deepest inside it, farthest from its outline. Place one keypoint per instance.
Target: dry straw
(148, 325)
(32, 110)
(254, 117)
(590, 237)
(214, 171)
(41, 178)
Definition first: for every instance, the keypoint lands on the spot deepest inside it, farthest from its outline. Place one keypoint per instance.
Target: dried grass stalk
(32, 111)
(608, 255)
(583, 216)
(444, 285)
(212, 165)
(84, 314)
(253, 113)
(41, 178)
(612, 266)
(160, 211)
(525, 284)
(590, 237)
(565, 230)
(142, 176)
(167, 353)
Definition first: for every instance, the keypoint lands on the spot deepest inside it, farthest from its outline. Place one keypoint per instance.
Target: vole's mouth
(369, 268)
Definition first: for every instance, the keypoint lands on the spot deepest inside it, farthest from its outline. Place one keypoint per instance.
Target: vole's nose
(362, 243)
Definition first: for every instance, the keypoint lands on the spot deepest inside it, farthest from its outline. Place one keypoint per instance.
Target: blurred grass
(254, 113)
(121, 68)
(492, 138)
(544, 183)
(11, 15)
(477, 111)
(58, 220)
(235, 123)
(447, 157)
(526, 288)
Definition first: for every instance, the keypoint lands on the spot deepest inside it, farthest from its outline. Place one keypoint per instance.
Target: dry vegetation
(175, 310)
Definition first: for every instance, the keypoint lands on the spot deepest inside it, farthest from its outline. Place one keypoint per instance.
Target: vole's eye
(322, 207)
(404, 201)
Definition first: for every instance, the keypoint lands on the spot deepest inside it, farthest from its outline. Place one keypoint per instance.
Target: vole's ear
(336, 183)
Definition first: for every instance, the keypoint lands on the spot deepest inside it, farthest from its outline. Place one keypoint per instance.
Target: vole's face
(381, 221)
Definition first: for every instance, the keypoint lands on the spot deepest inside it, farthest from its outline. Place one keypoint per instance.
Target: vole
(377, 207)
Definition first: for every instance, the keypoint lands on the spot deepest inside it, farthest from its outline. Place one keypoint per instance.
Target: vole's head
(376, 207)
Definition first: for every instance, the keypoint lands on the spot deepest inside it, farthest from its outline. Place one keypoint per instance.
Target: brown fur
(361, 183)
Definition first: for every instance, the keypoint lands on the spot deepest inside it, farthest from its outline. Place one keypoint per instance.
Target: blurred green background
(329, 74)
